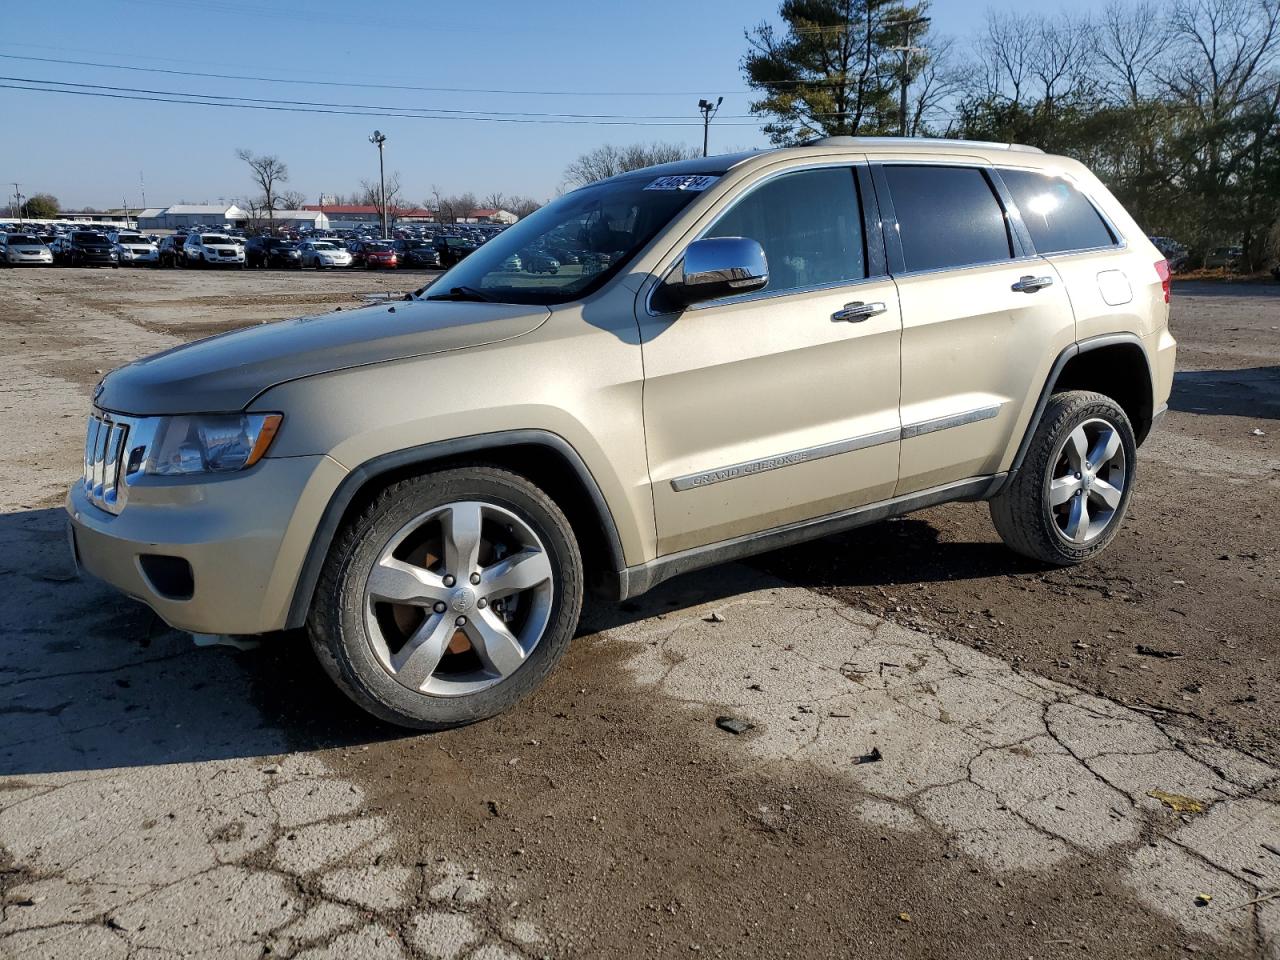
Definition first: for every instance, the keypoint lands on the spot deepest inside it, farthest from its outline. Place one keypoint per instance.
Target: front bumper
(244, 535)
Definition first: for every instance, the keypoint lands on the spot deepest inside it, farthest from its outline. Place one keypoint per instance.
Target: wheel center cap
(463, 600)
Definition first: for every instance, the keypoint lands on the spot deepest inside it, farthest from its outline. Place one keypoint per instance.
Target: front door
(779, 406)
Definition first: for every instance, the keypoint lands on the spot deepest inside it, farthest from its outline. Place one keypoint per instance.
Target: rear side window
(1057, 215)
(947, 217)
(809, 225)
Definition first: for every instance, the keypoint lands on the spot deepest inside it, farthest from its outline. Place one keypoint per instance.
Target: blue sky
(88, 150)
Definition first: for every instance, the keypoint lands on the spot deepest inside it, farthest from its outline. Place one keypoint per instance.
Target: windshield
(133, 241)
(602, 226)
(281, 244)
(21, 238)
(215, 238)
(324, 246)
(88, 238)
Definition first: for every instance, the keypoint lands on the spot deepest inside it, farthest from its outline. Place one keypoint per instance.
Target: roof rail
(915, 141)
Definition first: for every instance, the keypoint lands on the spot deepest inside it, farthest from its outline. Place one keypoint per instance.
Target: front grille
(103, 449)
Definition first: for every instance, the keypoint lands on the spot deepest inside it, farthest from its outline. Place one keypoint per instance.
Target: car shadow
(1252, 392)
(92, 680)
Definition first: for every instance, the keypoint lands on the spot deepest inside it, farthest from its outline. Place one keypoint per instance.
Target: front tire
(449, 598)
(1067, 501)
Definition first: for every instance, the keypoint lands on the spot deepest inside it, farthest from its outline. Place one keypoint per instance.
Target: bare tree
(939, 82)
(497, 201)
(383, 197)
(522, 206)
(1131, 41)
(1009, 52)
(291, 199)
(608, 160)
(268, 170)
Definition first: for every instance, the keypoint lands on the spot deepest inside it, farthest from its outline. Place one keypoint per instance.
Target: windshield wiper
(462, 293)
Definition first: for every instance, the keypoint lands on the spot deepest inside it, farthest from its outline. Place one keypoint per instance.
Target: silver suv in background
(736, 353)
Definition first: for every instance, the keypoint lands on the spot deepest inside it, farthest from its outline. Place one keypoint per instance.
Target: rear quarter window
(947, 217)
(1057, 215)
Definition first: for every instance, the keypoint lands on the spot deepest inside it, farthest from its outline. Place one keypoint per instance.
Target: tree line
(1173, 105)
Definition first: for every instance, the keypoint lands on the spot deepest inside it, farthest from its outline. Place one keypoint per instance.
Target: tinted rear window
(1057, 215)
(947, 217)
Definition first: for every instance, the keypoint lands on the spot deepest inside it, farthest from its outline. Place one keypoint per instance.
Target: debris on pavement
(904, 917)
(873, 757)
(1177, 802)
(1204, 899)
(733, 725)
(1147, 651)
(1258, 433)
(714, 617)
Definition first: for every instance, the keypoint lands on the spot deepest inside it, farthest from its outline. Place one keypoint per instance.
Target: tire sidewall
(346, 636)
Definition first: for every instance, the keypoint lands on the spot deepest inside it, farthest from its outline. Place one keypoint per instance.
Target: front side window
(947, 217)
(808, 224)
(1057, 215)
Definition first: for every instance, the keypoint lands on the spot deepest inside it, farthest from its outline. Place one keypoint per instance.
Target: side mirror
(720, 267)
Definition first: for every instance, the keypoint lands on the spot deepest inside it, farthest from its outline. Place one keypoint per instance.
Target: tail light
(1162, 270)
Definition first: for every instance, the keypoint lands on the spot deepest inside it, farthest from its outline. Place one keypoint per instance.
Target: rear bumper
(244, 538)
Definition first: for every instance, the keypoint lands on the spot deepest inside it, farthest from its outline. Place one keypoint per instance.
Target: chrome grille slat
(104, 451)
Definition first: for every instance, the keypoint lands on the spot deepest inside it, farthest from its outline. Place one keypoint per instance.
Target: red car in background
(373, 255)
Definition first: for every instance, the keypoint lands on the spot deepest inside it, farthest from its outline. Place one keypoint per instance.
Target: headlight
(213, 443)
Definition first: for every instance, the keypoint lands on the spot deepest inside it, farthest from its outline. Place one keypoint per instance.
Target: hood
(224, 373)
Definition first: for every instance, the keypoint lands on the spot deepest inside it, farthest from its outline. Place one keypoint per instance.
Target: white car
(212, 250)
(323, 253)
(136, 249)
(24, 248)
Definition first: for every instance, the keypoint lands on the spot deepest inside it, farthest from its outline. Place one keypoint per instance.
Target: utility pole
(905, 77)
(709, 110)
(143, 188)
(379, 138)
(17, 200)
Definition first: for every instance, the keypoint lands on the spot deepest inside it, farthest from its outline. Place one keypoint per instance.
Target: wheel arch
(544, 458)
(1114, 364)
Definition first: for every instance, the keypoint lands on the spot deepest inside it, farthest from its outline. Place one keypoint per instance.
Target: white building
(192, 214)
(183, 215)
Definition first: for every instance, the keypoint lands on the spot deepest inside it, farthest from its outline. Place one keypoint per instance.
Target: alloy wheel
(1087, 481)
(458, 599)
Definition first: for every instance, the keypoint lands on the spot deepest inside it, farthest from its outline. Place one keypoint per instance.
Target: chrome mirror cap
(722, 266)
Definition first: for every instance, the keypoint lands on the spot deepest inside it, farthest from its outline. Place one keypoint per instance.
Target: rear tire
(486, 643)
(1067, 501)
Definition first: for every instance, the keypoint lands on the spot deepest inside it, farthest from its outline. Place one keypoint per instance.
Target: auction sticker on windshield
(682, 183)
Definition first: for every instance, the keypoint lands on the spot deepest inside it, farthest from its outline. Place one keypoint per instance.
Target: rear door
(774, 407)
(982, 318)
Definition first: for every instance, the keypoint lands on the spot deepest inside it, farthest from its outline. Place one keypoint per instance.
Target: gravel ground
(160, 799)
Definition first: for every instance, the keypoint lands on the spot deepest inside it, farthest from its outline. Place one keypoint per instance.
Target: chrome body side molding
(691, 481)
(747, 468)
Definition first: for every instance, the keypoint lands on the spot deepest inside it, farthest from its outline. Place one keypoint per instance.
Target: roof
(331, 209)
(201, 209)
(870, 142)
(151, 212)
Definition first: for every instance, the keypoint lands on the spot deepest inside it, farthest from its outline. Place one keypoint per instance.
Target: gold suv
(731, 354)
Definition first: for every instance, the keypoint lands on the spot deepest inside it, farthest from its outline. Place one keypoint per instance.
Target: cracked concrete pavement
(1018, 772)
(163, 800)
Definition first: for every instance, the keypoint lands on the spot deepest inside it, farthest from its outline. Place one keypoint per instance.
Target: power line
(400, 86)
(30, 85)
(361, 106)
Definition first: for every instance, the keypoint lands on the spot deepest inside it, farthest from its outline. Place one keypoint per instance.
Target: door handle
(858, 311)
(1030, 284)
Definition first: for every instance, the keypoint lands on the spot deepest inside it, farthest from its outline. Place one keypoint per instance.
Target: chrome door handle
(858, 311)
(1030, 284)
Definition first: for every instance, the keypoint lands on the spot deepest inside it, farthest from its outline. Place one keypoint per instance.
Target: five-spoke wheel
(451, 596)
(458, 598)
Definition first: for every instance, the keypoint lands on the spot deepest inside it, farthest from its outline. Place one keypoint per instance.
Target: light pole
(378, 139)
(907, 50)
(709, 110)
